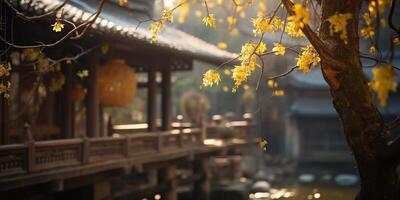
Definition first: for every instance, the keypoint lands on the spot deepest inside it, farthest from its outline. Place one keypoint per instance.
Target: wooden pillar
(92, 100)
(151, 100)
(101, 122)
(101, 190)
(4, 133)
(201, 189)
(170, 178)
(68, 103)
(152, 177)
(109, 126)
(166, 99)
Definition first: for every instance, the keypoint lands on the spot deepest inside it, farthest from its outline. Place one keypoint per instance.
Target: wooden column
(68, 103)
(101, 122)
(201, 189)
(166, 99)
(170, 178)
(101, 190)
(92, 100)
(152, 177)
(151, 100)
(4, 133)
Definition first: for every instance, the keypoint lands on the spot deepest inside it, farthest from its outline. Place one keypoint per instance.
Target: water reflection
(307, 192)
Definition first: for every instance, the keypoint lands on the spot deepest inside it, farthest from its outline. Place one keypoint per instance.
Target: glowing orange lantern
(117, 83)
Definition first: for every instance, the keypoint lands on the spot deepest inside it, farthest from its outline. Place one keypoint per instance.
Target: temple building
(313, 135)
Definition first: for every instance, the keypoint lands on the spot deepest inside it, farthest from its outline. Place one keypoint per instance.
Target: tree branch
(36, 17)
(84, 25)
(393, 151)
(393, 124)
(317, 43)
(283, 74)
(391, 12)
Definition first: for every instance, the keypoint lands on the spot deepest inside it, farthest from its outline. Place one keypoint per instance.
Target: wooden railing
(47, 157)
(40, 156)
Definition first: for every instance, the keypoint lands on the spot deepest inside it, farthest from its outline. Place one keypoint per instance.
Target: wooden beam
(151, 100)
(92, 100)
(166, 99)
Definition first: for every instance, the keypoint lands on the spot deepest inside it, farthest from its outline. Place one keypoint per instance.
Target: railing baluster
(85, 150)
(30, 144)
(159, 142)
(127, 142)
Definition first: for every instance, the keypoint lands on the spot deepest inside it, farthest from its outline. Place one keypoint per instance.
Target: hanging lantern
(78, 93)
(117, 83)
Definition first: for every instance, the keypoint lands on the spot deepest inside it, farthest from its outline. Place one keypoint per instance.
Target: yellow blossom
(242, 14)
(227, 72)
(278, 93)
(104, 48)
(246, 87)
(211, 77)
(272, 84)
(239, 75)
(167, 16)
(372, 49)
(384, 81)
(197, 13)
(262, 47)
(308, 58)
(396, 40)
(368, 31)
(222, 45)
(225, 88)
(263, 144)
(83, 73)
(57, 26)
(262, 6)
(248, 58)
(154, 29)
(373, 7)
(279, 49)
(43, 65)
(231, 21)
(123, 2)
(234, 32)
(56, 83)
(338, 24)
(183, 13)
(293, 31)
(301, 15)
(30, 54)
(267, 24)
(5, 89)
(209, 21)
(5, 69)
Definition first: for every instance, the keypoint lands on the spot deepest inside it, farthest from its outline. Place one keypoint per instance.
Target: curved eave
(123, 23)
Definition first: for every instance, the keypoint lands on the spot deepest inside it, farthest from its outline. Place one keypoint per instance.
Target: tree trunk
(362, 123)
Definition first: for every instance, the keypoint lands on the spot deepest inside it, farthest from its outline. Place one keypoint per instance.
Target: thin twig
(283, 74)
(36, 17)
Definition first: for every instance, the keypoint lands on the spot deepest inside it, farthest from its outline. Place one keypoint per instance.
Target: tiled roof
(123, 22)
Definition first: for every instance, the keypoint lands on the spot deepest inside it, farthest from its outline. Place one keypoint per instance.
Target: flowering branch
(36, 17)
(75, 30)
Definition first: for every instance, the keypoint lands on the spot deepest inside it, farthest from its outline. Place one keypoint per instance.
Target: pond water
(307, 192)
